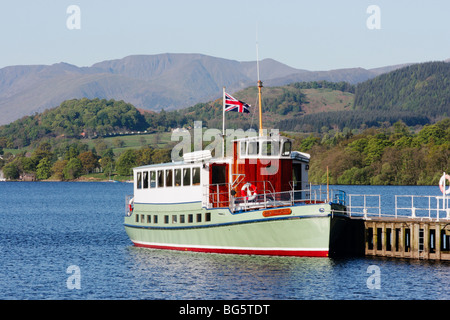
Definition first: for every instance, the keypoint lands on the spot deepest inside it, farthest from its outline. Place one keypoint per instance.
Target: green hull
(304, 231)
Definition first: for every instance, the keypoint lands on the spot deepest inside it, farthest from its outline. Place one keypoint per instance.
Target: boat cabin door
(219, 185)
(297, 179)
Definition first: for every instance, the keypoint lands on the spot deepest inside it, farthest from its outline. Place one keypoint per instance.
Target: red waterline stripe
(292, 253)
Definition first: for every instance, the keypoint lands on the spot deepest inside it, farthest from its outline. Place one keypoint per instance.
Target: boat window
(196, 176)
(169, 178)
(181, 218)
(266, 148)
(186, 176)
(287, 148)
(270, 148)
(199, 217)
(243, 148)
(253, 148)
(190, 218)
(218, 174)
(145, 179)
(149, 218)
(166, 219)
(174, 218)
(152, 179)
(137, 218)
(160, 178)
(208, 216)
(177, 177)
(139, 180)
(155, 219)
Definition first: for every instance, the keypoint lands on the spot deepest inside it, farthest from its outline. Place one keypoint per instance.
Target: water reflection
(187, 275)
(45, 227)
(159, 274)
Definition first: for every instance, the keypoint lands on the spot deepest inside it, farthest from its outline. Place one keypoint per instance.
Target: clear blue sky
(313, 35)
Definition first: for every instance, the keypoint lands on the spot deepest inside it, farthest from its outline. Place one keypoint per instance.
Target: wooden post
(438, 241)
(401, 241)
(415, 240)
(426, 241)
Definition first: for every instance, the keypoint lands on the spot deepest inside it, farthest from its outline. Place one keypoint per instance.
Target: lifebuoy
(442, 183)
(130, 206)
(249, 191)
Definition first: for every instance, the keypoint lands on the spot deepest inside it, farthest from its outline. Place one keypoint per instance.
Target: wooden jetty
(407, 238)
(417, 228)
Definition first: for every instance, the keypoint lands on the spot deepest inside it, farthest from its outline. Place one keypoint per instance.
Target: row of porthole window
(168, 178)
(174, 219)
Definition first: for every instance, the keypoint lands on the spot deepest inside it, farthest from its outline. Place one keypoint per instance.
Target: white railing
(409, 206)
(364, 204)
(431, 207)
(222, 196)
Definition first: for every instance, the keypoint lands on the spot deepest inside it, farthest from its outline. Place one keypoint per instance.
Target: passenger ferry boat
(257, 201)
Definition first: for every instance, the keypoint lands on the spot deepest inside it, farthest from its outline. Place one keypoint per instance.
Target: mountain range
(150, 82)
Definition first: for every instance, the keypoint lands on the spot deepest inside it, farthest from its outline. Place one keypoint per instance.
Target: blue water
(46, 227)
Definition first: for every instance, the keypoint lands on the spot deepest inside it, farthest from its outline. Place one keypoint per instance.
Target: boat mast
(223, 124)
(259, 90)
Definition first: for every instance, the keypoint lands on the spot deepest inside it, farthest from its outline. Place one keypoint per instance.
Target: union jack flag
(233, 104)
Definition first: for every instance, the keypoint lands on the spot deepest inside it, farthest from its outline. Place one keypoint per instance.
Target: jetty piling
(418, 227)
(407, 238)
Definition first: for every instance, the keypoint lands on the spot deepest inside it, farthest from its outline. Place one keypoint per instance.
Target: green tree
(126, 162)
(11, 171)
(58, 169)
(89, 161)
(44, 150)
(161, 156)
(73, 169)
(44, 168)
(145, 156)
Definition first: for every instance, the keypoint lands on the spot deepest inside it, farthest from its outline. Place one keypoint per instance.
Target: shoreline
(92, 179)
(81, 179)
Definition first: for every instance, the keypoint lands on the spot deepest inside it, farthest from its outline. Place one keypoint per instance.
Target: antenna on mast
(259, 85)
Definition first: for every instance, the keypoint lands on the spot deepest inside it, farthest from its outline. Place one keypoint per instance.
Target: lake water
(47, 227)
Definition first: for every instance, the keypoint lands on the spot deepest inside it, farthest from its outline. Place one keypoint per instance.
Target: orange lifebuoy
(442, 183)
(249, 191)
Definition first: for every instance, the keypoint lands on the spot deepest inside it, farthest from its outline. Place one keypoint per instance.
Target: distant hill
(149, 82)
(421, 88)
(77, 118)
(83, 118)
(416, 94)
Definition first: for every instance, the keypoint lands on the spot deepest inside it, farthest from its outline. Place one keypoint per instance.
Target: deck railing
(221, 196)
(404, 206)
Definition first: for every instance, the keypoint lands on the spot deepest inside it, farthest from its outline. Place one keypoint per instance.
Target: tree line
(69, 161)
(353, 119)
(380, 156)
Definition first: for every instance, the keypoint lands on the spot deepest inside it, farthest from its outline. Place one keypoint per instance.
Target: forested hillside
(417, 95)
(88, 118)
(393, 129)
(389, 156)
(74, 119)
(421, 88)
